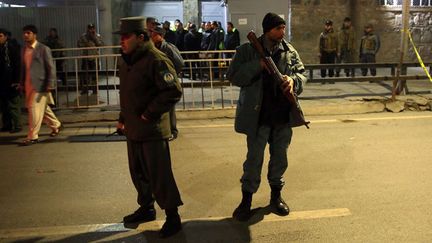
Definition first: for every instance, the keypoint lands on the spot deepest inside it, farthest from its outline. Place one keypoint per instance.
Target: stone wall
(308, 18)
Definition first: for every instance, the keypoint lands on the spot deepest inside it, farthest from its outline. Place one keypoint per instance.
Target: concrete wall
(308, 17)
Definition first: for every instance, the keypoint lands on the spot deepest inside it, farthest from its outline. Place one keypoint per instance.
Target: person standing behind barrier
(180, 34)
(216, 43)
(232, 39)
(157, 36)
(328, 48)
(202, 27)
(38, 78)
(10, 102)
(149, 88)
(216, 38)
(53, 41)
(208, 31)
(263, 111)
(88, 65)
(347, 44)
(369, 46)
(192, 42)
(169, 34)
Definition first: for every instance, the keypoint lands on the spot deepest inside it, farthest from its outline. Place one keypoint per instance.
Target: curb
(356, 105)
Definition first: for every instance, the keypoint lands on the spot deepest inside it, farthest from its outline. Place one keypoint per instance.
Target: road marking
(118, 227)
(385, 118)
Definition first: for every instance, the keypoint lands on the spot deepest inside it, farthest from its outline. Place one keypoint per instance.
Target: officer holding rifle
(265, 110)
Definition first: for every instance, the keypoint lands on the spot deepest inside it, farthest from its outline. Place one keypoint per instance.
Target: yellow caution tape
(419, 57)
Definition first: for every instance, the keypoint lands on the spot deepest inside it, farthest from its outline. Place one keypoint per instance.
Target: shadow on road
(95, 138)
(196, 231)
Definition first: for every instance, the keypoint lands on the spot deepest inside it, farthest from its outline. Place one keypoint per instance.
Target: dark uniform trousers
(150, 169)
(278, 137)
(368, 58)
(327, 57)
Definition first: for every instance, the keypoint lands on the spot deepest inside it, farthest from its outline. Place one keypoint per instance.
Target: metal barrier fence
(203, 79)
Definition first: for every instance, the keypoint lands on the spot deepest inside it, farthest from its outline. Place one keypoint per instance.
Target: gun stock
(297, 117)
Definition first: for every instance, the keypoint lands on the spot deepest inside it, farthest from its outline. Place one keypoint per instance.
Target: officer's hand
(120, 128)
(287, 85)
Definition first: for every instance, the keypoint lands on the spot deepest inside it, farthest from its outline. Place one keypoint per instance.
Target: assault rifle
(297, 118)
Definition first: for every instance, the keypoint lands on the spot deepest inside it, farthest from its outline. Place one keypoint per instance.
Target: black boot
(172, 223)
(278, 204)
(141, 215)
(243, 211)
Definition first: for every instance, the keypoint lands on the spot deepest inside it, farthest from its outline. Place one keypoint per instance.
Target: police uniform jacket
(328, 42)
(370, 44)
(245, 71)
(347, 39)
(173, 54)
(148, 86)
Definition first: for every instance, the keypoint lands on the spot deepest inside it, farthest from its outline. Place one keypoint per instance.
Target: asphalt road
(363, 178)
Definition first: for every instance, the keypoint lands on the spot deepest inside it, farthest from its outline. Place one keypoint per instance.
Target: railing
(357, 66)
(203, 79)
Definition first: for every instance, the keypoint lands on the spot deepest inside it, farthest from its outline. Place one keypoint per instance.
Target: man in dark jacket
(369, 47)
(169, 34)
(328, 48)
(9, 79)
(53, 41)
(149, 88)
(217, 37)
(180, 34)
(232, 38)
(157, 36)
(205, 41)
(263, 111)
(193, 43)
(88, 65)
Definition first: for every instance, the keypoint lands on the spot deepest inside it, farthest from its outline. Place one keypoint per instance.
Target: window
(415, 3)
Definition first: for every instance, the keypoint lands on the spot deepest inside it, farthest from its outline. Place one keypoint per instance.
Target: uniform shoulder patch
(168, 77)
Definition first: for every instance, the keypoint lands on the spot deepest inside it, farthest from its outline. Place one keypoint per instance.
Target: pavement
(316, 99)
(351, 178)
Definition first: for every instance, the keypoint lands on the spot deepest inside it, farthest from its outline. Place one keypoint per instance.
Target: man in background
(369, 47)
(10, 102)
(232, 38)
(88, 65)
(157, 36)
(38, 79)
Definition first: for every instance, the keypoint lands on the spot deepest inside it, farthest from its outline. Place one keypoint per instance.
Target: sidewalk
(316, 99)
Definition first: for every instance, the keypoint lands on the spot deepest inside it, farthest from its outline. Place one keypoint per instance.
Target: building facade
(305, 19)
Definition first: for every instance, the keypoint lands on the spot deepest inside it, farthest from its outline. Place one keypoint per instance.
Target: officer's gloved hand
(120, 132)
(120, 129)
